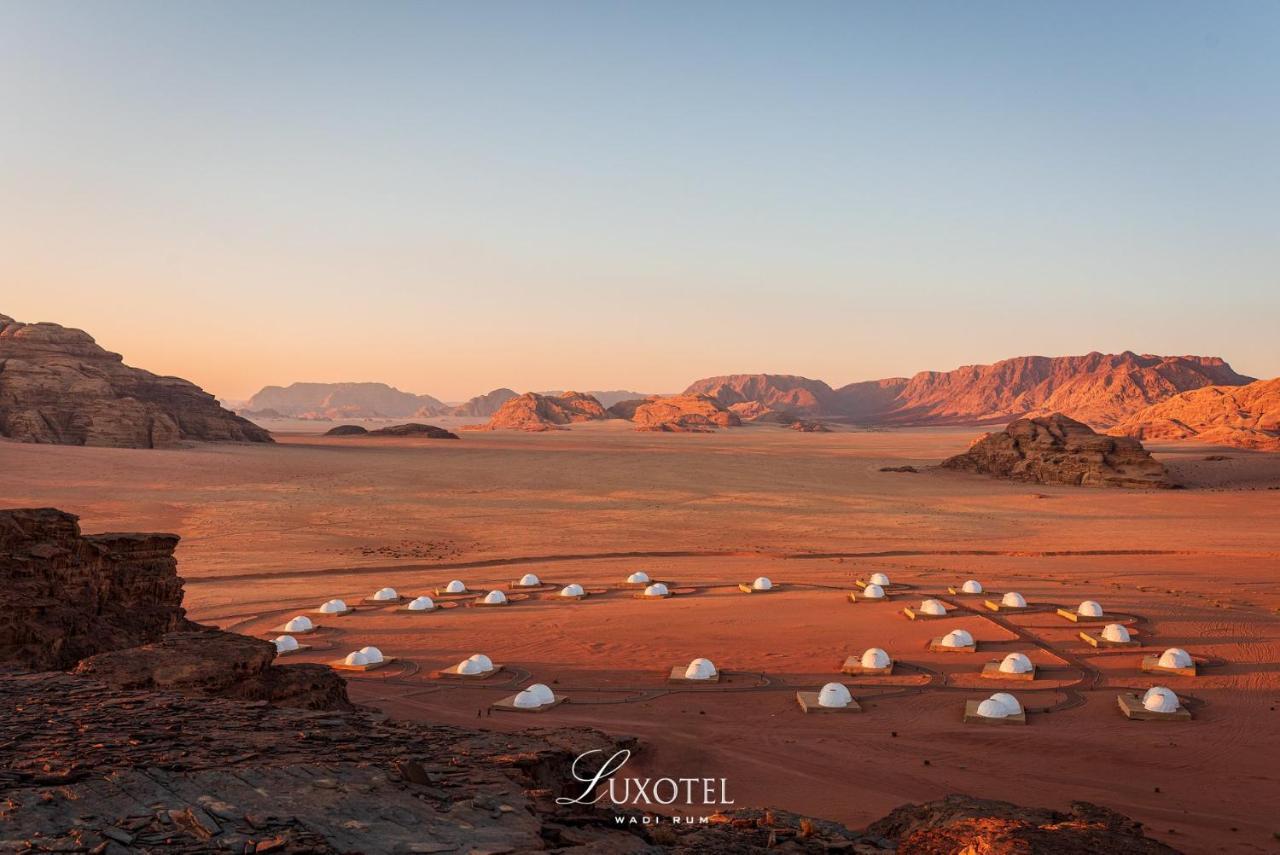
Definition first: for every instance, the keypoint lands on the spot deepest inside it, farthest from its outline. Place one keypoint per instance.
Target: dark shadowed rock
(58, 386)
(347, 430)
(1057, 450)
(415, 429)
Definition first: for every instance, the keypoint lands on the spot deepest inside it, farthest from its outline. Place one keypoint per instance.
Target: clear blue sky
(452, 197)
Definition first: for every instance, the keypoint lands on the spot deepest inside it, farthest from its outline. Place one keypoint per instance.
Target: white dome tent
(421, 604)
(655, 591)
(286, 644)
(638, 578)
(1089, 610)
(831, 698)
(700, 670)
(927, 609)
(1156, 704)
(1112, 635)
(474, 666)
(385, 595)
(879, 579)
(299, 624)
(1013, 600)
(873, 660)
(356, 659)
(1014, 666)
(1000, 708)
(373, 654)
(573, 591)
(535, 698)
(1116, 632)
(528, 580)
(334, 607)
(972, 586)
(494, 598)
(871, 592)
(1174, 660)
(364, 659)
(956, 641)
(759, 584)
(455, 586)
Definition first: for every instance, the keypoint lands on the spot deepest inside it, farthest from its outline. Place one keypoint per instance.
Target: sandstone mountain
(798, 395)
(606, 397)
(57, 385)
(1096, 388)
(534, 412)
(484, 405)
(343, 401)
(677, 414)
(1243, 416)
(1054, 449)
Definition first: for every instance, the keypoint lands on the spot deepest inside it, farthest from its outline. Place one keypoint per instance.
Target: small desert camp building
(760, 583)
(385, 595)
(1174, 660)
(455, 586)
(1112, 635)
(495, 598)
(477, 665)
(1014, 666)
(536, 698)
(333, 607)
(879, 579)
(301, 623)
(700, 670)
(1089, 610)
(286, 644)
(1000, 708)
(638, 578)
(1158, 703)
(655, 591)
(927, 610)
(421, 604)
(956, 641)
(528, 580)
(573, 591)
(833, 697)
(873, 661)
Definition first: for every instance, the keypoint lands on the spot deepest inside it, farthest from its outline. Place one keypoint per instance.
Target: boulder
(415, 429)
(1057, 450)
(58, 386)
(347, 430)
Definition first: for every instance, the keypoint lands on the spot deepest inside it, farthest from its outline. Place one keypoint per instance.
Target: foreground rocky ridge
(1057, 450)
(57, 385)
(1241, 416)
(110, 606)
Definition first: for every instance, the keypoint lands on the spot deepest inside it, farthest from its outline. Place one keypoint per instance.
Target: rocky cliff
(677, 414)
(1057, 450)
(343, 401)
(534, 412)
(111, 605)
(58, 386)
(1243, 416)
(798, 395)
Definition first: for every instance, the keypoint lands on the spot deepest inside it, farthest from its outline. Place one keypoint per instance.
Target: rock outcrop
(413, 429)
(484, 405)
(1242, 416)
(347, 430)
(57, 385)
(111, 605)
(798, 395)
(344, 401)
(809, 427)
(677, 414)
(534, 412)
(65, 596)
(1097, 388)
(962, 824)
(1057, 450)
(222, 664)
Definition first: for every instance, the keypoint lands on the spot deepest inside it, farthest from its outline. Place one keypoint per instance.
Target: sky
(452, 197)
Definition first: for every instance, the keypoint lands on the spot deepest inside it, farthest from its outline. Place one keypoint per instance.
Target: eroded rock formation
(111, 605)
(798, 395)
(677, 414)
(414, 429)
(534, 412)
(1057, 450)
(58, 386)
(1242, 416)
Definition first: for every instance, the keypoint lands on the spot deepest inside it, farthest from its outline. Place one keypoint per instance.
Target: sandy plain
(269, 532)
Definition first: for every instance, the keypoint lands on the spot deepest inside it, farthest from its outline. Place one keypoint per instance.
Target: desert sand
(272, 531)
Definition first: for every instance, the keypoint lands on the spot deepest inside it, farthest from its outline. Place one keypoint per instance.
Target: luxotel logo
(628, 792)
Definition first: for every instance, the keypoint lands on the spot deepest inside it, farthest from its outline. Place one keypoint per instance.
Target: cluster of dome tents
(1156, 702)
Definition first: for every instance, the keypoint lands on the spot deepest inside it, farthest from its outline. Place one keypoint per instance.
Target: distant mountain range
(337, 401)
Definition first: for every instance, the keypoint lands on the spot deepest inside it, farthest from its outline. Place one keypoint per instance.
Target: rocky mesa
(1241, 416)
(57, 385)
(341, 401)
(1055, 449)
(534, 412)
